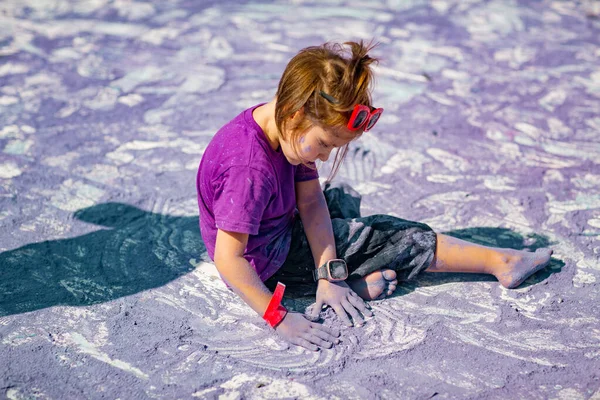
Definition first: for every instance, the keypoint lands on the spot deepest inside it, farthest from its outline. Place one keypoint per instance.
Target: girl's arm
(245, 282)
(319, 232)
(314, 213)
(237, 271)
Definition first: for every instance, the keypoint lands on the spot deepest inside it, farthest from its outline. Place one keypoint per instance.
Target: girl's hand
(343, 300)
(311, 335)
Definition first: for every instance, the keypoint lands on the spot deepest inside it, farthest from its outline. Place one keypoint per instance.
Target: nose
(324, 156)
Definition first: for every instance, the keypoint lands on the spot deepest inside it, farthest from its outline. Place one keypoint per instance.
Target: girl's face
(315, 144)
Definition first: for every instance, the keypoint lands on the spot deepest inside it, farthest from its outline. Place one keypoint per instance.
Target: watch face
(337, 269)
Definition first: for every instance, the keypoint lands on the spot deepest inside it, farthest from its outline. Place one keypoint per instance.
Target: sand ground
(491, 132)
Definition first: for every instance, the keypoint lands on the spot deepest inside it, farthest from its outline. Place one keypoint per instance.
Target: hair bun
(358, 75)
(360, 52)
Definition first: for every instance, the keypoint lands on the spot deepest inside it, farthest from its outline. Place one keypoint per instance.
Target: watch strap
(320, 273)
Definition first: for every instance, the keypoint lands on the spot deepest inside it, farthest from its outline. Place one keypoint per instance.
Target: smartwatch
(333, 270)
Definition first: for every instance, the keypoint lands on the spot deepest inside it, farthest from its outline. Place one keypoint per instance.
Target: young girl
(264, 217)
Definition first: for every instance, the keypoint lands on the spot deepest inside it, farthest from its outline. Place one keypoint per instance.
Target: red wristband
(275, 311)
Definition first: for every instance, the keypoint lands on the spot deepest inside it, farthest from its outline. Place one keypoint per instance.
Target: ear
(297, 117)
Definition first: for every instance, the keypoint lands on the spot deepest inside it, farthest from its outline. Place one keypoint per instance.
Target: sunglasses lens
(360, 119)
(373, 121)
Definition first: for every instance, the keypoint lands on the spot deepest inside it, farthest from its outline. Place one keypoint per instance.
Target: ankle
(501, 261)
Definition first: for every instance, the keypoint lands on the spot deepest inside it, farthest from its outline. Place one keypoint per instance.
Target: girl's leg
(511, 267)
(383, 249)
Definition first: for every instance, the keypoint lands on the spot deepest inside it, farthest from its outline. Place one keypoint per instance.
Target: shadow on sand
(141, 250)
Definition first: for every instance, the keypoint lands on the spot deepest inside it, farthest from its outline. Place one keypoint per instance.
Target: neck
(265, 118)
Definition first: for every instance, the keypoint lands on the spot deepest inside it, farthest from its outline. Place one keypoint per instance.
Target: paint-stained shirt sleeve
(241, 197)
(306, 173)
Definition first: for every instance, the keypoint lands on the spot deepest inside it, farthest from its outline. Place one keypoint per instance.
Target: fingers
(358, 321)
(341, 313)
(360, 299)
(305, 343)
(326, 335)
(325, 329)
(359, 303)
(351, 305)
(298, 330)
(314, 314)
(314, 339)
(319, 336)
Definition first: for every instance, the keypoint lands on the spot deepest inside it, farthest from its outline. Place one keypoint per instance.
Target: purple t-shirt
(245, 186)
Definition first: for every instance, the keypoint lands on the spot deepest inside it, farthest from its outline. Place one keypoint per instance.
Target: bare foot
(377, 285)
(520, 265)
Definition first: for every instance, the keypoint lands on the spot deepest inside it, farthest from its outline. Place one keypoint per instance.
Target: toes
(388, 274)
(543, 255)
(390, 289)
(546, 252)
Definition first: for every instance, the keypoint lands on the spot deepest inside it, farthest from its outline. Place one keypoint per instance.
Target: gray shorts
(365, 243)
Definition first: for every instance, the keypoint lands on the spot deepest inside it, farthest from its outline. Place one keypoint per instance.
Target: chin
(303, 162)
(297, 161)
(294, 161)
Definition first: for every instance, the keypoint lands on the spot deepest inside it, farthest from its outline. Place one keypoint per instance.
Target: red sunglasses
(363, 117)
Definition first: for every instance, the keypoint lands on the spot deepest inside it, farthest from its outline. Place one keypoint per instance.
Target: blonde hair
(329, 69)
